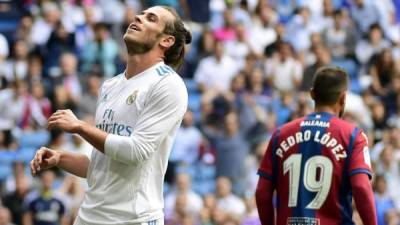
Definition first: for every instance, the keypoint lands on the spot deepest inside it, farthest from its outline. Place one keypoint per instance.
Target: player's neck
(328, 109)
(140, 62)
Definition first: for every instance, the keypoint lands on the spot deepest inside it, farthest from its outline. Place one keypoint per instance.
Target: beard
(341, 113)
(139, 47)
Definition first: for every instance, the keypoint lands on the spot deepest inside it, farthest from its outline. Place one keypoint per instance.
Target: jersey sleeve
(164, 110)
(360, 161)
(266, 169)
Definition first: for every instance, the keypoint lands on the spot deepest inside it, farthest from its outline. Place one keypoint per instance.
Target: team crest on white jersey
(131, 98)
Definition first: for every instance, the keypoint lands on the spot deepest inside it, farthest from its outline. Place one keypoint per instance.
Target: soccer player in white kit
(138, 114)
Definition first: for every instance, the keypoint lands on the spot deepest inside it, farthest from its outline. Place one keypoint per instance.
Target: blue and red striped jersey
(310, 161)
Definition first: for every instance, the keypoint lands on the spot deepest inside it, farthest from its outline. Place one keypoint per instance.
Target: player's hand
(64, 120)
(44, 158)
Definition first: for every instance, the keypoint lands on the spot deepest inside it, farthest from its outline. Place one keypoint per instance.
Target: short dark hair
(175, 54)
(329, 83)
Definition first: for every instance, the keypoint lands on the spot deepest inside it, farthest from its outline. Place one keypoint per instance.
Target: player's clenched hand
(64, 120)
(44, 158)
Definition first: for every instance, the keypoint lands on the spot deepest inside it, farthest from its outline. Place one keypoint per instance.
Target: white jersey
(142, 115)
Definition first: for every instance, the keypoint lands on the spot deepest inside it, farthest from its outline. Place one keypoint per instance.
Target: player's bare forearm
(93, 135)
(264, 193)
(74, 163)
(67, 121)
(364, 198)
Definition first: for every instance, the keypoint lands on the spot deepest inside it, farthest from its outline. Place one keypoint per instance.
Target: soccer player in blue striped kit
(137, 116)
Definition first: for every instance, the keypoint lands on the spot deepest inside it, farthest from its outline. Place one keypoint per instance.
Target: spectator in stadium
(251, 215)
(57, 139)
(4, 52)
(239, 48)
(339, 38)
(185, 151)
(258, 87)
(14, 201)
(228, 203)
(76, 143)
(215, 72)
(323, 58)
(60, 41)
(241, 13)
(383, 69)
(37, 108)
(99, 54)
(379, 118)
(24, 30)
(284, 155)
(299, 30)
(5, 216)
(42, 27)
(388, 166)
(232, 146)
(72, 193)
(205, 217)
(197, 11)
(35, 73)
(69, 78)
(238, 83)
(193, 202)
(392, 217)
(392, 101)
(384, 203)
(84, 31)
(262, 32)
(366, 48)
(135, 126)
(206, 44)
(284, 72)
(308, 57)
(12, 105)
(227, 32)
(45, 207)
(88, 101)
(180, 212)
(364, 13)
(62, 100)
(16, 68)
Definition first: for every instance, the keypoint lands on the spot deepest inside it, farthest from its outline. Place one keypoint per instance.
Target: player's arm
(364, 198)
(360, 173)
(164, 109)
(165, 106)
(71, 162)
(264, 195)
(266, 186)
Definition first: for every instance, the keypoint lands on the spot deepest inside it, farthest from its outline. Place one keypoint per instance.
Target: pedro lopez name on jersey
(324, 139)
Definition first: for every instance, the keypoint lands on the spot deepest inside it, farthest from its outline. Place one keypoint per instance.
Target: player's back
(310, 162)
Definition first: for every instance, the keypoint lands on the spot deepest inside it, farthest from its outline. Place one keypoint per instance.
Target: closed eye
(152, 17)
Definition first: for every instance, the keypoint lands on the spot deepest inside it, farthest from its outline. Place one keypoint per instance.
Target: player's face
(146, 30)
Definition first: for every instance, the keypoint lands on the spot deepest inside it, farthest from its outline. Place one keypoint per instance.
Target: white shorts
(160, 221)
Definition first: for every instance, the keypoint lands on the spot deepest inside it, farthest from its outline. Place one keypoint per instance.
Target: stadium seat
(203, 181)
(191, 86)
(7, 157)
(352, 69)
(194, 105)
(25, 154)
(6, 160)
(33, 139)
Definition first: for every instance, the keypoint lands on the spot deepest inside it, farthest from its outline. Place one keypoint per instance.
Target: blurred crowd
(248, 71)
